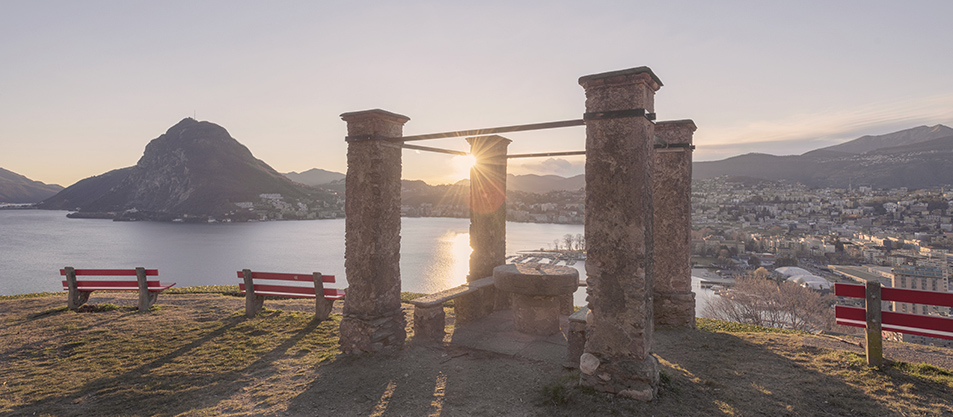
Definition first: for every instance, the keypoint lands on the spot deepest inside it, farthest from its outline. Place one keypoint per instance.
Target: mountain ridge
(18, 189)
(193, 169)
(914, 158)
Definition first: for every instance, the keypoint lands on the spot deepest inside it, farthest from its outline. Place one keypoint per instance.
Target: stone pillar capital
(628, 89)
(675, 131)
(374, 124)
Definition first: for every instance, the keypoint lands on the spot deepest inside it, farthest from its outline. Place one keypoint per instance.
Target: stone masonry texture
(487, 225)
(372, 313)
(619, 214)
(674, 301)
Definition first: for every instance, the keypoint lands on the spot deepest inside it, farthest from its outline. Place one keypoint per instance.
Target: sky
(85, 85)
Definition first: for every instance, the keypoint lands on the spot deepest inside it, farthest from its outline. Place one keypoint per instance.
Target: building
(922, 274)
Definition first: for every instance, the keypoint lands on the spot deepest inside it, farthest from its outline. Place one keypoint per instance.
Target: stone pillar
(487, 226)
(620, 162)
(674, 300)
(372, 317)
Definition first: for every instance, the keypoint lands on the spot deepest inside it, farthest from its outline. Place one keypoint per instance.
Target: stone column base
(473, 306)
(536, 314)
(576, 335)
(675, 309)
(372, 334)
(429, 323)
(626, 377)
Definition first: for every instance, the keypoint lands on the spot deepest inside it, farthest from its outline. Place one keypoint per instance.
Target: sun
(462, 165)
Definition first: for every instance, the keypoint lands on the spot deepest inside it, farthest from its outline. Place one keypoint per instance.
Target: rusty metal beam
(544, 154)
(493, 130)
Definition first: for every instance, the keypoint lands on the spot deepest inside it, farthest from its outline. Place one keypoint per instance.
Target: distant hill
(15, 188)
(913, 158)
(194, 169)
(315, 177)
(544, 183)
(904, 137)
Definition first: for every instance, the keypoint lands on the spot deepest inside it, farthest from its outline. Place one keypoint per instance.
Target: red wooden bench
(257, 285)
(875, 320)
(80, 287)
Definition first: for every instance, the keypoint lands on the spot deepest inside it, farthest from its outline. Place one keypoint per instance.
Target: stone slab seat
(80, 287)
(257, 285)
(429, 318)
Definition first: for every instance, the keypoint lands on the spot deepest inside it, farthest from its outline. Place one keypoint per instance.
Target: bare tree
(764, 302)
(567, 241)
(580, 241)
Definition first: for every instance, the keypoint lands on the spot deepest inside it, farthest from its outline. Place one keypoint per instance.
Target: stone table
(536, 289)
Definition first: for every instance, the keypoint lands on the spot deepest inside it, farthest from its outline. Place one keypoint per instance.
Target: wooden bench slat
(103, 285)
(290, 291)
(287, 277)
(110, 272)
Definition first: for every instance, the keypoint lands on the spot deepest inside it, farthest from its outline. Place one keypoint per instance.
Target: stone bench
(257, 285)
(429, 318)
(112, 280)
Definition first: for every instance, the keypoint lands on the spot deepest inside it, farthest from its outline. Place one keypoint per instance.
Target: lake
(36, 244)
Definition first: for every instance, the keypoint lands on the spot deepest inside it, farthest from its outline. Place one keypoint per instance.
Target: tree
(754, 261)
(781, 304)
(568, 240)
(580, 241)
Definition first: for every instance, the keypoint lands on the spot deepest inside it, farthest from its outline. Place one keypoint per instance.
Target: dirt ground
(198, 355)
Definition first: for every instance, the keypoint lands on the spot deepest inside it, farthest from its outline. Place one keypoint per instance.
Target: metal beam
(540, 155)
(493, 130)
(438, 150)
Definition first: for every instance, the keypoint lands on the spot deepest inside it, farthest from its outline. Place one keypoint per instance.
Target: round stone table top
(536, 279)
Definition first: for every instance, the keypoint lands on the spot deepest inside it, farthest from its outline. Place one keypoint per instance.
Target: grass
(200, 356)
(713, 325)
(137, 361)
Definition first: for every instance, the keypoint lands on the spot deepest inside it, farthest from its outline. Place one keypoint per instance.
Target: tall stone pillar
(487, 225)
(619, 168)
(372, 313)
(674, 300)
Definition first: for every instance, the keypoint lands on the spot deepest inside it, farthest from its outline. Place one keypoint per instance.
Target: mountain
(194, 169)
(15, 188)
(912, 158)
(315, 177)
(544, 183)
(903, 137)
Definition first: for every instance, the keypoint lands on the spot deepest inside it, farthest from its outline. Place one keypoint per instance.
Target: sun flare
(462, 165)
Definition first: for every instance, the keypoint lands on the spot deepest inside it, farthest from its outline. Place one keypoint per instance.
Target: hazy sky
(85, 85)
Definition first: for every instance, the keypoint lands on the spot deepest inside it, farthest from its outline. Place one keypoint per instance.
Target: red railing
(931, 326)
(875, 320)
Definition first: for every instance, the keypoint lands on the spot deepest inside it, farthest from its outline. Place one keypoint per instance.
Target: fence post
(875, 356)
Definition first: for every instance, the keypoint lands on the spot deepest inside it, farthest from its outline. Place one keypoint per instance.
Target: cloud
(550, 166)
